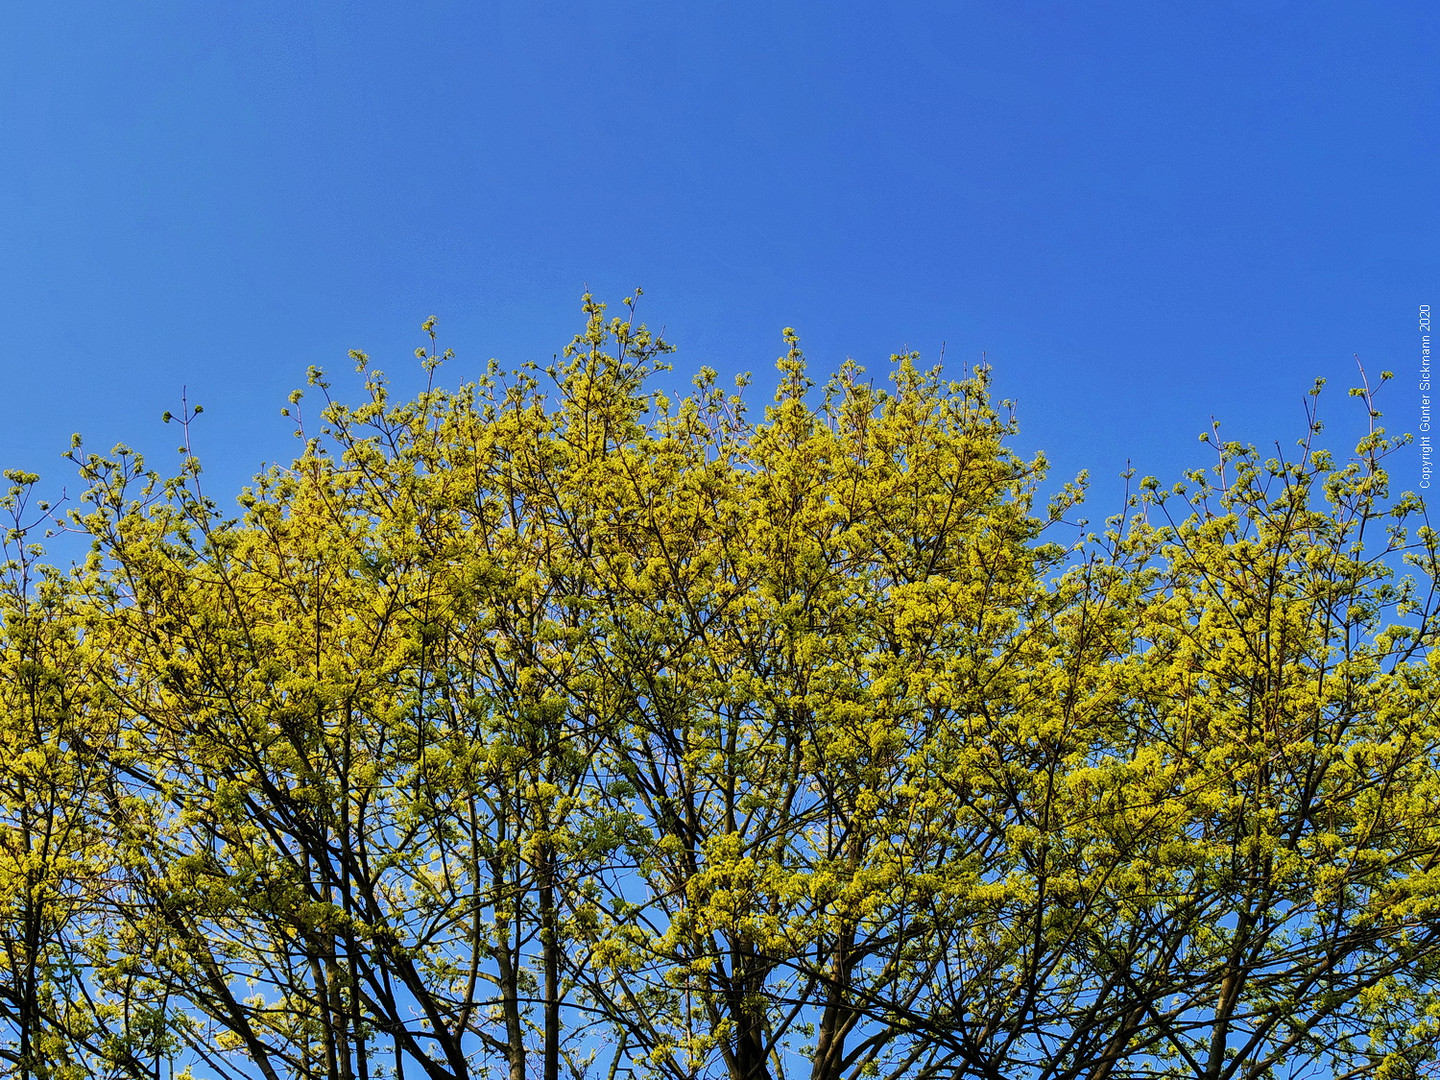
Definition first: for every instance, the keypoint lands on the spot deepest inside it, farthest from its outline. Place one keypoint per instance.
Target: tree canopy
(548, 726)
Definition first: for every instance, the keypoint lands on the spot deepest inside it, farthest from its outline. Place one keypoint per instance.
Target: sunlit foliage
(551, 727)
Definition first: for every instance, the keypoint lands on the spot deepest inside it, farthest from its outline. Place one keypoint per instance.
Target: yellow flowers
(545, 707)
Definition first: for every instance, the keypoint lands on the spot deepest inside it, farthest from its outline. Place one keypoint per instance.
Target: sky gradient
(1141, 214)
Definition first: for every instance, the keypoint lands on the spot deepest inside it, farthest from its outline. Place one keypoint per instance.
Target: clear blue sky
(1142, 213)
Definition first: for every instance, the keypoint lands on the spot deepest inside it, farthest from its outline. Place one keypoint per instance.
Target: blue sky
(1142, 214)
